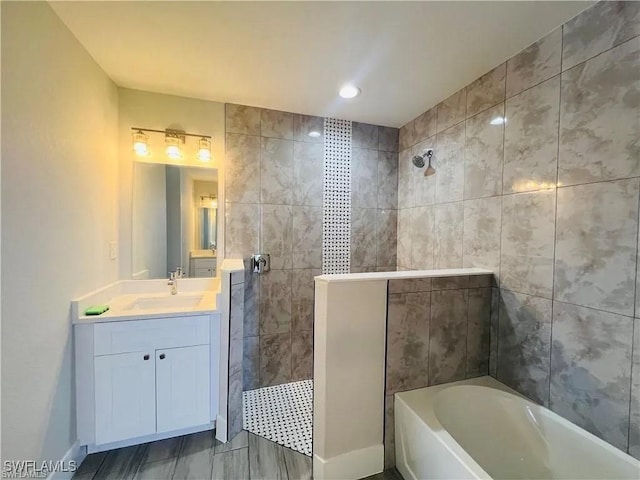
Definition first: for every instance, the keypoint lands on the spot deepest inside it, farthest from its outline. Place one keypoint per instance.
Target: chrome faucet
(179, 272)
(173, 282)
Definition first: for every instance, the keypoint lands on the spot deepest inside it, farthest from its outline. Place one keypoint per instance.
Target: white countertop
(120, 297)
(361, 277)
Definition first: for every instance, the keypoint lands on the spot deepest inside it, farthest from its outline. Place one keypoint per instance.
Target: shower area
(323, 200)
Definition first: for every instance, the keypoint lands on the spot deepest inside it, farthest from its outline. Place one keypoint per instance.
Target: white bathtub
(480, 428)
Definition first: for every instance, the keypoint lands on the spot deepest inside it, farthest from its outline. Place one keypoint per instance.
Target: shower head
(418, 161)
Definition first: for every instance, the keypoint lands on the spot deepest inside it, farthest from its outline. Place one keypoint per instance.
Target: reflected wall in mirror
(175, 220)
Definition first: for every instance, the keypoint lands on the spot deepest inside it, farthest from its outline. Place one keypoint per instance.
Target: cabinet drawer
(150, 335)
(204, 272)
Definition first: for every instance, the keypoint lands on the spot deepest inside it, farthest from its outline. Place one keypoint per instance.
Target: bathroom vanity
(153, 366)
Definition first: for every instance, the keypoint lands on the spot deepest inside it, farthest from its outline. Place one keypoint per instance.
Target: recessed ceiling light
(314, 134)
(349, 91)
(498, 121)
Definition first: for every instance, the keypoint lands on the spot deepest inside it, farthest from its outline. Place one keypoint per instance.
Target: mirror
(175, 220)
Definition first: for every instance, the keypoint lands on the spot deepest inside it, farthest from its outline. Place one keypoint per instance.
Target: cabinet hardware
(162, 356)
(146, 357)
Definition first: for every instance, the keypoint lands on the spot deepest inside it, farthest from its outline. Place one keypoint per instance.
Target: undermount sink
(166, 301)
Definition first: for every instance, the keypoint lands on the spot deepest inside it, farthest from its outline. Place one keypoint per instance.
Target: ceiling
(294, 56)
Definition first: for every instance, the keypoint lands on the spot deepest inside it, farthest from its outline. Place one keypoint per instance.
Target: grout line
(555, 222)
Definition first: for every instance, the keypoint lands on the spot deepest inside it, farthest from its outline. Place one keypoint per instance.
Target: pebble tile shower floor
(282, 414)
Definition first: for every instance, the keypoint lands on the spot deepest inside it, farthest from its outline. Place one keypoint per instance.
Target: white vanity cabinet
(141, 380)
(202, 267)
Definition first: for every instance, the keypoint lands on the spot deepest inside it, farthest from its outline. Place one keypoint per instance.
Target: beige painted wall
(59, 212)
(158, 111)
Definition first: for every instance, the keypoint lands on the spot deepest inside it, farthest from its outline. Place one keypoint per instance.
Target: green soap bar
(96, 310)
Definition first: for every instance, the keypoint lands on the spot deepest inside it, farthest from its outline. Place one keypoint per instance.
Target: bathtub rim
(425, 413)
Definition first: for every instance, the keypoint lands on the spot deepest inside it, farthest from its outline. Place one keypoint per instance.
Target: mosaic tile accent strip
(282, 414)
(336, 221)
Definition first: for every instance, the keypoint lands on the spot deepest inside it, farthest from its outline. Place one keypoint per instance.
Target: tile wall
(549, 201)
(274, 194)
(437, 332)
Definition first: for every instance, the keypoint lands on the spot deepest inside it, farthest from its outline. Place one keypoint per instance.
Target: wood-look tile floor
(200, 457)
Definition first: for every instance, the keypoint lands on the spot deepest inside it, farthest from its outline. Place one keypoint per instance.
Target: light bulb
(140, 143)
(204, 149)
(173, 148)
(349, 91)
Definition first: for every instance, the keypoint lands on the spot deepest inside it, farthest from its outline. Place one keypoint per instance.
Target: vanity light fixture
(204, 149)
(174, 140)
(209, 201)
(140, 143)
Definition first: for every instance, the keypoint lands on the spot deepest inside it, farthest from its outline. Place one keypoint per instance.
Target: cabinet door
(125, 396)
(183, 393)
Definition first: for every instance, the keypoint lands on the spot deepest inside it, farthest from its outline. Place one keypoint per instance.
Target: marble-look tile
(407, 342)
(234, 405)
(527, 247)
(299, 466)
(307, 237)
(596, 242)
(236, 312)
(251, 303)
(450, 283)
(302, 298)
(478, 281)
(599, 121)
(493, 337)
(152, 470)
(447, 232)
(487, 91)
(424, 188)
(276, 171)
(161, 449)
(388, 138)
(404, 238)
(410, 285)
(387, 180)
(301, 355)
(277, 124)
(524, 344)
(407, 176)
(448, 336)
(386, 237)
(196, 457)
(236, 358)
(389, 433)
(422, 222)
(604, 25)
(308, 171)
(634, 411)
(452, 110)
(242, 160)
(481, 233)
(478, 332)
(242, 230)
(276, 234)
(275, 359)
(303, 125)
(364, 178)
(250, 363)
(363, 237)
(591, 370)
(425, 125)
(240, 441)
(275, 302)
(449, 164)
(536, 63)
(531, 138)
(364, 135)
(407, 136)
(242, 119)
(266, 460)
(483, 154)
